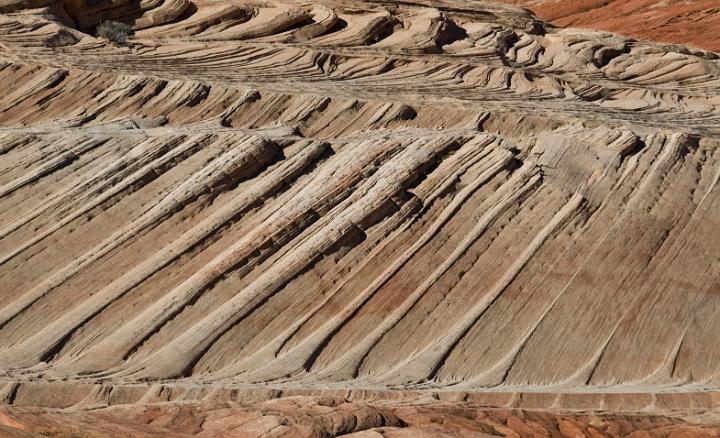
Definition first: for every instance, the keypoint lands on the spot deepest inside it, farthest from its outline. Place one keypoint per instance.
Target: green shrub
(115, 32)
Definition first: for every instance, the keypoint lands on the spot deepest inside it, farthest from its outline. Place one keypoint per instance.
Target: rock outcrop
(331, 416)
(418, 196)
(695, 23)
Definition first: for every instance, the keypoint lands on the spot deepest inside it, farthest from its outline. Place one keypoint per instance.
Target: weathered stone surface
(331, 416)
(695, 23)
(354, 196)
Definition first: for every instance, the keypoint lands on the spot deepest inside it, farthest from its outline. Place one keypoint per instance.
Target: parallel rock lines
(364, 194)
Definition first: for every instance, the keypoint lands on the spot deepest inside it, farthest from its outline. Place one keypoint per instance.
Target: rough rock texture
(331, 416)
(692, 22)
(354, 195)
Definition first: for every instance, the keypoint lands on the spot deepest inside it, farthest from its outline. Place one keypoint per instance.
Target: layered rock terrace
(366, 195)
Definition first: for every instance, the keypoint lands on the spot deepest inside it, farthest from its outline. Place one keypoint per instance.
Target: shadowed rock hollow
(426, 197)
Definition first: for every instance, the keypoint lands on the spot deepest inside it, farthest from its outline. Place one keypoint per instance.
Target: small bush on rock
(115, 32)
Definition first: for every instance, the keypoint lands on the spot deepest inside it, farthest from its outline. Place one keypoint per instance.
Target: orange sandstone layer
(695, 22)
(423, 196)
(165, 412)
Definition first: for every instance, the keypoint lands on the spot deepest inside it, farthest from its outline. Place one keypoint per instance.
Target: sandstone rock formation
(333, 415)
(423, 196)
(695, 22)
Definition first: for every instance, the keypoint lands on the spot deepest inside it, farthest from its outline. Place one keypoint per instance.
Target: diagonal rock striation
(422, 197)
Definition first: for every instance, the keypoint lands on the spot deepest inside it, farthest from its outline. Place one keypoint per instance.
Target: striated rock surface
(694, 22)
(413, 196)
(330, 416)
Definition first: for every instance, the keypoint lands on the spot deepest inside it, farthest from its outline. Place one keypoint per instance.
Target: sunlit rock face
(695, 23)
(412, 196)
